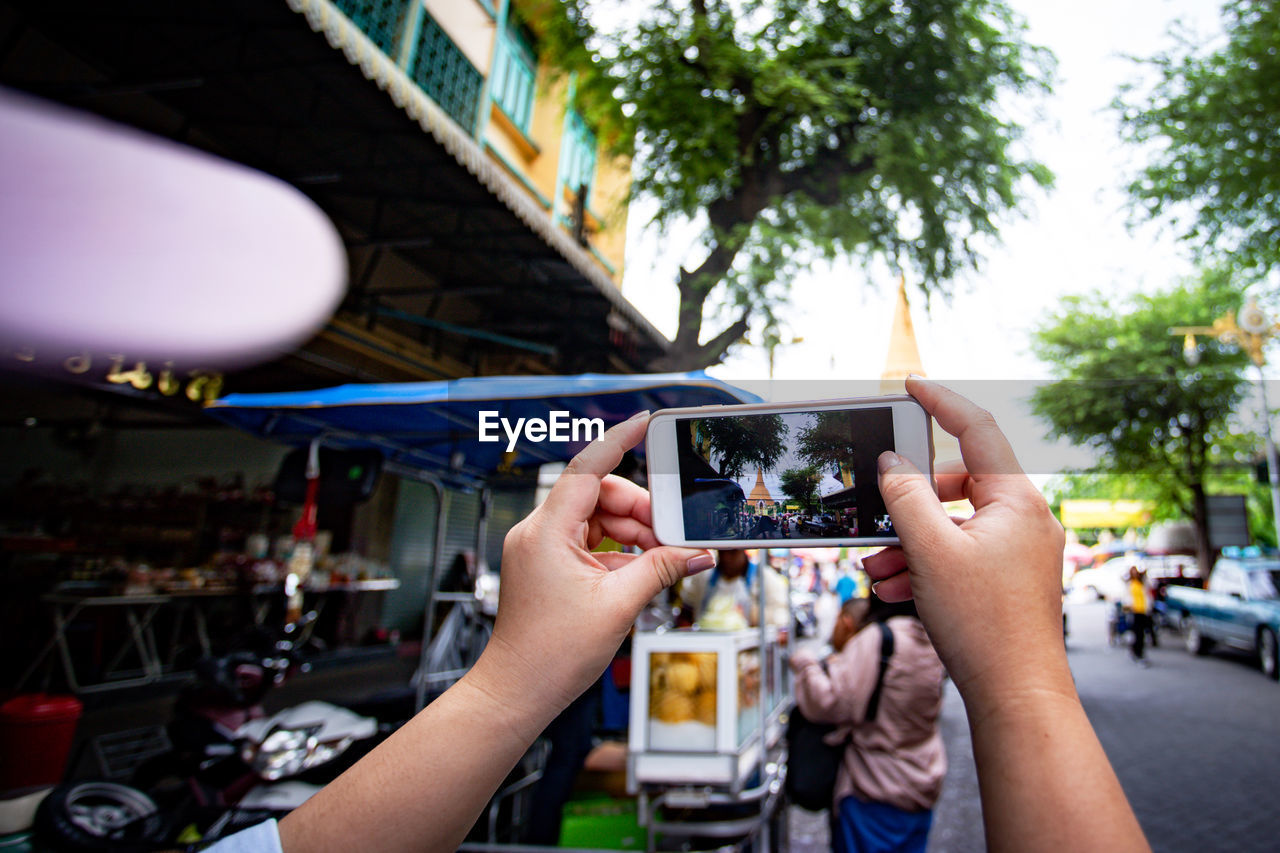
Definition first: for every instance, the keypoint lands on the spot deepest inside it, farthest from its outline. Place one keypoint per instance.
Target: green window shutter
(514, 75)
(445, 73)
(380, 20)
(437, 66)
(578, 165)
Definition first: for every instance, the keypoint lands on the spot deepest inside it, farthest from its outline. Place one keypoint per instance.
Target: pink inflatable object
(115, 241)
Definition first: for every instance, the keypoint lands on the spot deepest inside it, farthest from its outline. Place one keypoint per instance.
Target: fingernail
(643, 413)
(700, 563)
(916, 376)
(888, 460)
(873, 588)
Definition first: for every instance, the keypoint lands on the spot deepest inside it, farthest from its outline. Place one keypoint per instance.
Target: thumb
(918, 516)
(655, 570)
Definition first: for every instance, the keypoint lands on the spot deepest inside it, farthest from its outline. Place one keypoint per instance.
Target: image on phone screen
(789, 475)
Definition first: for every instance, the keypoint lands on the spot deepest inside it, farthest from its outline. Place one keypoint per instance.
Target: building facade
(484, 228)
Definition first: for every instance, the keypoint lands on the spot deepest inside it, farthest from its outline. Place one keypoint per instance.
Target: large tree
(826, 442)
(739, 444)
(798, 130)
(1209, 127)
(1124, 389)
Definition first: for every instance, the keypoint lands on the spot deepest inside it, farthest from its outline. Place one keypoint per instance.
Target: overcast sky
(1074, 239)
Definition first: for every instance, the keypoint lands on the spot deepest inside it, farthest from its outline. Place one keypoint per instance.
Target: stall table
(140, 612)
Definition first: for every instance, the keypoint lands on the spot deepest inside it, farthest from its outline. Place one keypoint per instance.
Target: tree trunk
(687, 354)
(695, 286)
(1200, 518)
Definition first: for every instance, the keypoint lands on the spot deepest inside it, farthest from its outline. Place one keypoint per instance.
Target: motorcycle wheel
(87, 817)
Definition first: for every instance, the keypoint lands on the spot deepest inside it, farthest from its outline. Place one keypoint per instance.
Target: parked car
(1106, 582)
(1239, 608)
(1109, 580)
(821, 525)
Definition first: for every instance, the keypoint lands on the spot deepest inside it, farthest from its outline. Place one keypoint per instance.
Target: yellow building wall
(609, 197)
(534, 158)
(470, 27)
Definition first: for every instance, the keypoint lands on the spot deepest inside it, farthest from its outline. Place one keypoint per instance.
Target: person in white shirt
(737, 577)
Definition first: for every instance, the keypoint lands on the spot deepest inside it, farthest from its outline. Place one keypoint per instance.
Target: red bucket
(36, 731)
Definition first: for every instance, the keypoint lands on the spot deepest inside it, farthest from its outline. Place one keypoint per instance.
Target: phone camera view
(790, 475)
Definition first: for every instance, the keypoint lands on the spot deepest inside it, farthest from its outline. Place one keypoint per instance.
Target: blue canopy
(434, 426)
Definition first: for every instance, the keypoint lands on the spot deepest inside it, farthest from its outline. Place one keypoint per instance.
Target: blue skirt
(861, 827)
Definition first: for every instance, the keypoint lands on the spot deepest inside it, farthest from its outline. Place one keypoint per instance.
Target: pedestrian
(846, 586)
(734, 584)
(1140, 607)
(883, 686)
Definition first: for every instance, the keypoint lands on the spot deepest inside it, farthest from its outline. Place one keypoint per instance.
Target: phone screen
(788, 475)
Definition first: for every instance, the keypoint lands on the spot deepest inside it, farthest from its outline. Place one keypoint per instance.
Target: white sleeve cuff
(259, 838)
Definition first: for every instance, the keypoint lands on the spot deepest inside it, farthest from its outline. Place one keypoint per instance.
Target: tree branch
(684, 355)
(714, 349)
(820, 180)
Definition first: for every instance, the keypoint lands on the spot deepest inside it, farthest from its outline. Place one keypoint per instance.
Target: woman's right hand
(988, 588)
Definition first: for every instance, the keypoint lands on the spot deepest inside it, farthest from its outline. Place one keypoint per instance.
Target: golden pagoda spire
(759, 492)
(904, 354)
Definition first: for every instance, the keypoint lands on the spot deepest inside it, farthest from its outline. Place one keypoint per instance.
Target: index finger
(952, 480)
(573, 498)
(624, 498)
(988, 456)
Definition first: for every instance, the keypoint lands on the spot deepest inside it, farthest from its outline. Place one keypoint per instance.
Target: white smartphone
(776, 476)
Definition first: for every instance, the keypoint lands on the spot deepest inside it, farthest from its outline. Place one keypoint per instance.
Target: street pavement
(1194, 740)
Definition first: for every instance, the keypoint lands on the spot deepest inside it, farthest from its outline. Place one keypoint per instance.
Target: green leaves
(1124, 389)
(1210, 127)
(800, 485)
(827, 442)
(808, 129)
(740, 444)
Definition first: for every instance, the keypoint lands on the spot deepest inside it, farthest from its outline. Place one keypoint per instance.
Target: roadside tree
(795, 131)
(740, 444)
(827, 441)
(1123, 389)
(1209, 127)
(800, 485)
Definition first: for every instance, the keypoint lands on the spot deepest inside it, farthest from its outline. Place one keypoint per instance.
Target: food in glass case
(748, 693)
(682, 701)
(706, 707)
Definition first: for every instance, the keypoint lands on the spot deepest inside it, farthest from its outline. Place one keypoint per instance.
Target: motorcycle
(231, 765)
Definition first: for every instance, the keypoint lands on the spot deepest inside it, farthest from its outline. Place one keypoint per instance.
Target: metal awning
(434, 426)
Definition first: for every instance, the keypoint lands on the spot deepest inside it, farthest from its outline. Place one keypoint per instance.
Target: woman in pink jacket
(894, 759)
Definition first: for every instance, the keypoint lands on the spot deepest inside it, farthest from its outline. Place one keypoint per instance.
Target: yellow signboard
(1097, 513)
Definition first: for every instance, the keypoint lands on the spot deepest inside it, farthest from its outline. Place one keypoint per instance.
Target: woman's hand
(562, 613)
(799, 660)
(988, 588)
(564, 610)
(989, 592)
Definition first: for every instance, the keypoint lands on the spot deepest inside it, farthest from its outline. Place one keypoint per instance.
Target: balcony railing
(404, 31)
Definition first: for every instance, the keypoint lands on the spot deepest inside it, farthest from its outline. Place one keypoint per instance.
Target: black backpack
(812, 763)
